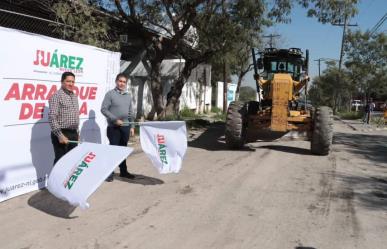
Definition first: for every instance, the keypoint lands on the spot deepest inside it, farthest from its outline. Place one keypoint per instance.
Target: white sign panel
(165, 144)
(82, 170)
(30, 69)
(231, 93)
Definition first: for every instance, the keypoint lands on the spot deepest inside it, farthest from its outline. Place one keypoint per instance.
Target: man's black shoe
(127, 175)
(110, 178)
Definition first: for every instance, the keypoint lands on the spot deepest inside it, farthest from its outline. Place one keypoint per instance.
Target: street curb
(362, 128)
(346, 123)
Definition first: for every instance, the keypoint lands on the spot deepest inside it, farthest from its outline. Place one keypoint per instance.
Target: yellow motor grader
(280, 109)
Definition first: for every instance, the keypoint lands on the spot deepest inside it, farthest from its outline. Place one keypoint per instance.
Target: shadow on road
(373, 147)
(211, 139)
(373, 189)
(141, 179)
(44, 201)
(288, 149)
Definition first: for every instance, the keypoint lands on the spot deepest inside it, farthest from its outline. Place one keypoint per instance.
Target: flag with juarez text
(83, 169)
(165, 144)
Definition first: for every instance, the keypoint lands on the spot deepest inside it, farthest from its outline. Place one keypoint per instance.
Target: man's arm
(106, 103)
(131, 114)
(53, 104)
(131, 118)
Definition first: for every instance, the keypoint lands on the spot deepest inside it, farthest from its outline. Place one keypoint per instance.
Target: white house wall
(193, 97)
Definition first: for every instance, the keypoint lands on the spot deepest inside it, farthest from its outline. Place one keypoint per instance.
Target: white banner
(30, 69)
(165, 144)
(82, 170)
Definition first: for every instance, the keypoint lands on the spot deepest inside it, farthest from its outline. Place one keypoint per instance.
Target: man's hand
(63, 139)
(132, 132)
(119, 122)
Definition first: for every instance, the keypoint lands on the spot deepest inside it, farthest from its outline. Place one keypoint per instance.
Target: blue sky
(323, 40)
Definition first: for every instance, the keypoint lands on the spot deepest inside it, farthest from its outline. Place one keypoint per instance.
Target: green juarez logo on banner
(77, 170)
(162, 148)
(57, 60)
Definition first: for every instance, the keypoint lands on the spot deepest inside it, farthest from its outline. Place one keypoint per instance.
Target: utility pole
(224, 87)
(224, 66)
(343, 41)
(319, 60)
(345, 25)
(319, 63)
(271, 36)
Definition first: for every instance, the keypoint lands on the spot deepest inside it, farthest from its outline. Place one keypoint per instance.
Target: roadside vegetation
(363, 76)
(220, 33)
(352, 115)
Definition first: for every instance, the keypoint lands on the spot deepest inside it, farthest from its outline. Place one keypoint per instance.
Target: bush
(378, 120)
(350, 115)
(247, 94)
(187, 113)
(215, 109)
(169, 118)
(220, 116)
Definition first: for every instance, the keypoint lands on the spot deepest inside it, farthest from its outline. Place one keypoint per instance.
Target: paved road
(270, 195)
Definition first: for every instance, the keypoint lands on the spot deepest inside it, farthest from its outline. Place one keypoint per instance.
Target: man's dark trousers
(119, 135)
(61, 149)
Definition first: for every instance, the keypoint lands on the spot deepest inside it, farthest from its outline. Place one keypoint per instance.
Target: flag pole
(74, 142)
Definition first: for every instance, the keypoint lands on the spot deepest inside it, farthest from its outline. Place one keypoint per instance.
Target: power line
(378, 24)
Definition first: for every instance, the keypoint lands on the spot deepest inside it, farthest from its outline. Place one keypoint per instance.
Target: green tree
(220, 25)
(366, 63)
(247, 94)
(327, 90)
(198, 30)
(85, 24)
(326, 11)
(174, 19)
(242, 62)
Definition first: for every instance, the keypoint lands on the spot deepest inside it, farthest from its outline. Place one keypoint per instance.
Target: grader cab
(281, 108)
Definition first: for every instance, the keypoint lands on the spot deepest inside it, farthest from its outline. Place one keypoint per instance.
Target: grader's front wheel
(322, 131)
(236, 125)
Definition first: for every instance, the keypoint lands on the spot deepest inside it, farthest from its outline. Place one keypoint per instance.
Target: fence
(33, 24)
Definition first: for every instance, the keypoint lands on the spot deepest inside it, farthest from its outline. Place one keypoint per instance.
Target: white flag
(165, 144)
(83, 169)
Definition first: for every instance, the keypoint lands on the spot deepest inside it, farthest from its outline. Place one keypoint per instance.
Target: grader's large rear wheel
(236, 121)
(322, 131)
